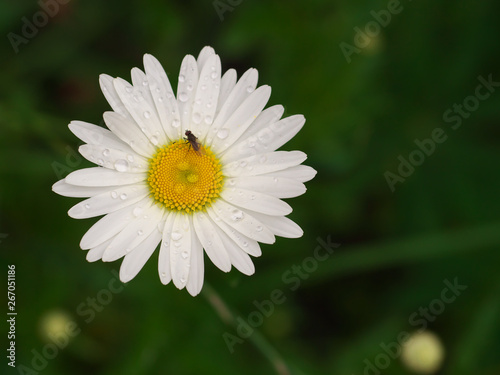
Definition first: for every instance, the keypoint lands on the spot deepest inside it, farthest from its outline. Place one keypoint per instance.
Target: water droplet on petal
(245, 243)
(121, 165)
(128, 89)
(130, 158)
(258, 228)
(114, 194)
(252, 197)
(137, 211)
(160, 99)
(105, 152)
(232, 181)
(147, 114)
(176, 236)
(196, 117)
(189, 87)
(243, 163)
(263, 159)
(183, 97)
(208, 119)
(123, 196)
(250, 88)
(213, 75)
(236, 215)
(154, 140)
(203, 87)
(140, 232)
(182, 78)
(182, 280)
(100, 161)
(176, 123)
(145, 83)
(87, 206)
(223, 133)
(184, 255)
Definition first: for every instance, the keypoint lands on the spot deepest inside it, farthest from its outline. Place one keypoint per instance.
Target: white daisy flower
(197, 173)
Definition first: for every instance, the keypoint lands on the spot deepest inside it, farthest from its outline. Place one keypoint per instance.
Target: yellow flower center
(182, 179)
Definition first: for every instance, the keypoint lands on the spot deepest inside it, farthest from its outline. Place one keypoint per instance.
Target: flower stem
(260, 342)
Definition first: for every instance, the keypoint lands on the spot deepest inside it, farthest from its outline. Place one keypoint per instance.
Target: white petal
(196, 274)
(239, 259)
(114, 159)
(269, 138)
(227, 83)
(98, 176)
(96, 253)
(96, 135)
(112, 224)
(302, 173)
(245, 86)
(209, 237)
(281, 226)
(188, 80)
(141, 110)
(61, 187)
(134, 233)
(108, 202)
(128, 131)
(133, 262)
(204, 55)
(108, 89)
(278, 187)
(264, 163)
(240, 120)
(243, 222)
(246, 244)
(163, 97)
(164, 256)
(244, 146)
(205, 101)
(255, 201)
(180, 249)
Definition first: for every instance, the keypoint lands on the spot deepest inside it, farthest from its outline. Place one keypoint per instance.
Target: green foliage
(396, 248)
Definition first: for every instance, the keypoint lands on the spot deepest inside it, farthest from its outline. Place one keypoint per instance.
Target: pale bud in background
(423, 353)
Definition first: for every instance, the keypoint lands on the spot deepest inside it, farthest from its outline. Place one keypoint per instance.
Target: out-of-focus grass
(396, 248)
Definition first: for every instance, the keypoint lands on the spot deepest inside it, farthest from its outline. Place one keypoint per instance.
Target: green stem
(260, 342)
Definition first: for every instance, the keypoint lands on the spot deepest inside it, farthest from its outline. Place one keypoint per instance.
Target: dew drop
(184, 255)
(138, 98)
(145, 83)
(245, 243)
(223, 133)
(236, 215)
(137, 211)
(203, 87)
(130, 158)
(128, 89)
(176, 236)
(169, 95)
(114, 194)
(182, 78)
(105, 152)
(140, 232)
(213, 75)
(183, 97)
(275, 179)
(154, 140)
(123, 196)
(87, 206)
(232, 182)
(189, 87)
(208, 119)
(196, 117)
(182, 280)
(158, 90)
(263, 159)
(176, 123)
(252, 197)
(243, 163)
(258, 228)
(100, 161)
(147, 114)
(250, 88)
(121, 165)
(160, 99)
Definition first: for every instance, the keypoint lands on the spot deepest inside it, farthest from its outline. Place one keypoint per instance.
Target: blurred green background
(396, 250)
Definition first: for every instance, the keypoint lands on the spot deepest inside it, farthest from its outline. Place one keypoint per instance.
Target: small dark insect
(193, 141)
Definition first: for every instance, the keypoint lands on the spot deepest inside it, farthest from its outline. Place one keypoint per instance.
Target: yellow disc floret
(182, 179)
